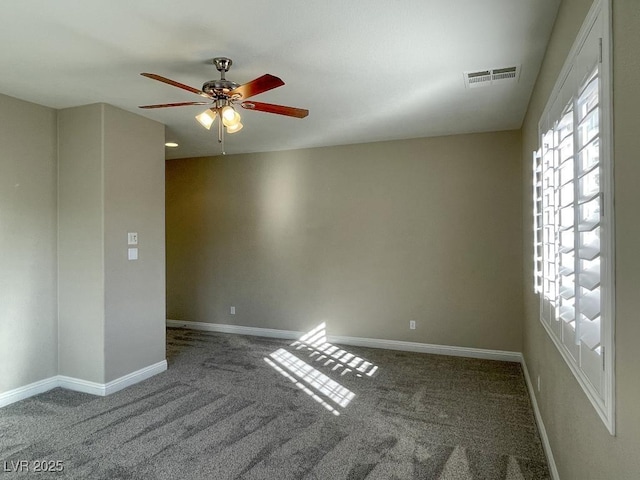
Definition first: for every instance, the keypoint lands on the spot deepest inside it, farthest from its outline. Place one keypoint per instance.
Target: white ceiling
(367, 70)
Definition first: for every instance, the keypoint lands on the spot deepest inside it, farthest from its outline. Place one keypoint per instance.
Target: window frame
(604, 403)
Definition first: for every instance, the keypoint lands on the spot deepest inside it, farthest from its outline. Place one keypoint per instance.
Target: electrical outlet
(233, 310)
(538, 383)
(412, 324)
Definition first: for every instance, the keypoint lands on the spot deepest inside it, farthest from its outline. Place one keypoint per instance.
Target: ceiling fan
(224, 95)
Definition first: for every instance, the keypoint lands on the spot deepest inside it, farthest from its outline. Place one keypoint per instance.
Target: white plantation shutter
(573, 229)
(537, 221)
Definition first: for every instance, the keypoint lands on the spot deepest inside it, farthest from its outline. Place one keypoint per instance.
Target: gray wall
(581, 444)
(111, 181)
(134, 202)
(365, 237)
(81, 243)
(27, 243)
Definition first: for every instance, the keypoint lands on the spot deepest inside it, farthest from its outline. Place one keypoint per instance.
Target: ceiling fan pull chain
(221, 134)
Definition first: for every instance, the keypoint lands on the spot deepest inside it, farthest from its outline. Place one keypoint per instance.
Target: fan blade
(254, 87)
(168, 81)
(181, 104)
(277, 109)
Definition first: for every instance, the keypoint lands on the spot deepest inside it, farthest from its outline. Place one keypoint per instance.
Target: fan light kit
(223, 97)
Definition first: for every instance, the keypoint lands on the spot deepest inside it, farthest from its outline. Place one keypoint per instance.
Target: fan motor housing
(219, 87)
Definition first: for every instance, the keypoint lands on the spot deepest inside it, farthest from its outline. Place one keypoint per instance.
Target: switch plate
(412, 324)
(132, 238)
(233, 310)
(133, 254)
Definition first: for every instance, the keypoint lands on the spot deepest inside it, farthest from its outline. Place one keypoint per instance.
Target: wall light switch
(132, 238)
(133, 254)
(233, 310)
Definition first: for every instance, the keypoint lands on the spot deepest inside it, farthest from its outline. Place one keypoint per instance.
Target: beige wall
(365, 237)
(27, 243)
(581, 444)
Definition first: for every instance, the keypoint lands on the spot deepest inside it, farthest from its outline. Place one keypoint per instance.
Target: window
(573, 214)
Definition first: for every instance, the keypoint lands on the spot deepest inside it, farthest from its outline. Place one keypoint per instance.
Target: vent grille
(484, 78)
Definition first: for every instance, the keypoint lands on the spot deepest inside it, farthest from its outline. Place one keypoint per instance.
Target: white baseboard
(79, 385)
(355, 341)
(103, 389)
(134, 377)
(428, 348)
(27, 391)
(553, 469)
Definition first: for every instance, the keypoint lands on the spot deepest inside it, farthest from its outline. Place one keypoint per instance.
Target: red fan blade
(180, 104)
(259, 85)
(168, 81)
(277, 109)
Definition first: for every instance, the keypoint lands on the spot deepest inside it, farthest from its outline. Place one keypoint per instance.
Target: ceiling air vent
(493, 76)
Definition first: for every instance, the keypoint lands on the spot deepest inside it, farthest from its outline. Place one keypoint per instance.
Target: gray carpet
(222, 411)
